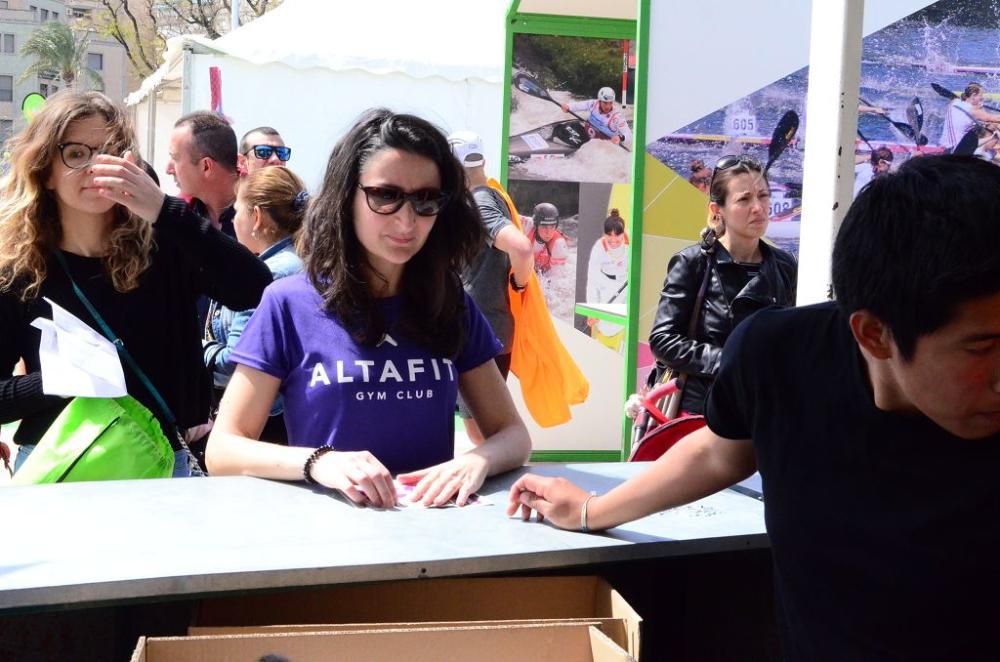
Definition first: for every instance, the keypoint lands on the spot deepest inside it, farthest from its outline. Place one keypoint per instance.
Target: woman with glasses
(714, 285)
(77, 210)
(371, 344)
(270, 206)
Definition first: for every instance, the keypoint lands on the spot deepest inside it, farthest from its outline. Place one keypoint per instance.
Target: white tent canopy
(310, 67)
(453, 39)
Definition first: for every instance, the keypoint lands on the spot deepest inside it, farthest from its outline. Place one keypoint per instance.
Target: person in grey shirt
(506, 258)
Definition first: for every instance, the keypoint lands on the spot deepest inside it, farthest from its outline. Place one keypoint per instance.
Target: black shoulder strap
(125, 354)
(700, 299)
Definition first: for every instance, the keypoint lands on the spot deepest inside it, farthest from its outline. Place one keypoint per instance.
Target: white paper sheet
(403, 493)
(76, 360)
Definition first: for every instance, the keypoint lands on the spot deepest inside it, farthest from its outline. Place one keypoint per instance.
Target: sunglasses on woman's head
(264, 152)
(731, 161)
(389, 200)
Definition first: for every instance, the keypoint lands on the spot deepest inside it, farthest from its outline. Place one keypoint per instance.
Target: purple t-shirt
(395, 400)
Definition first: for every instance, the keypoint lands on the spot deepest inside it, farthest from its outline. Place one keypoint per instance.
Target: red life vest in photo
(544, 260)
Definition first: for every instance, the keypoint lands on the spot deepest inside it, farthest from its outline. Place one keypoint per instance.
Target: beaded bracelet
(315, 455)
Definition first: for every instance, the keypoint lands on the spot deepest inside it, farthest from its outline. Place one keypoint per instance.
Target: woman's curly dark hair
(432, 306)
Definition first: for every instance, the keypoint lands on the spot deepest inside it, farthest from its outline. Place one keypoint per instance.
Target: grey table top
(87, 543)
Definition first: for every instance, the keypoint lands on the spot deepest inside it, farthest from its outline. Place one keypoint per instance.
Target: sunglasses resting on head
(731, 161)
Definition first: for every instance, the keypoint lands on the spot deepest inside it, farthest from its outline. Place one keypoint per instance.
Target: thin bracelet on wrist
(515, 286)
(308, 466)
(583, 513)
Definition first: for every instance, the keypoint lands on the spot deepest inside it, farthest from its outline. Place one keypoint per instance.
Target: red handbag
(666, 431)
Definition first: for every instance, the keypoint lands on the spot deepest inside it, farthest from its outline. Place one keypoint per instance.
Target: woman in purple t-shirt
(371, 344)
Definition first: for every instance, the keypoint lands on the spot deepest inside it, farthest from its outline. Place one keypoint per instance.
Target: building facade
(18, 19)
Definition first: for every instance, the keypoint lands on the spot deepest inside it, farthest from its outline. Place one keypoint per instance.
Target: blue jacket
(225, 326)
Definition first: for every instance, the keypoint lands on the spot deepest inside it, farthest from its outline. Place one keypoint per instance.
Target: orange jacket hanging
(550, 379)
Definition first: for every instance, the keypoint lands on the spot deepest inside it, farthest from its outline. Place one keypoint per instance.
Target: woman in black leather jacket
(745, 275)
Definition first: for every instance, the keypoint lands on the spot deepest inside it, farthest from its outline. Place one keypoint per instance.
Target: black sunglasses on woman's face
(389, 199)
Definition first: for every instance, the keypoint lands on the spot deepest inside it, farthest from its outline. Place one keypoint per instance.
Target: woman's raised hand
(358, 475)
(122, 180)
(458, 478)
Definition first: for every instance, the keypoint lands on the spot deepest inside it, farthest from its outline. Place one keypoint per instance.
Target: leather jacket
(699, 357)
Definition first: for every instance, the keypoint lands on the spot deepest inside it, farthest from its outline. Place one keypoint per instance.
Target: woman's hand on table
(458, 478)
(358, 475)
(554, 499)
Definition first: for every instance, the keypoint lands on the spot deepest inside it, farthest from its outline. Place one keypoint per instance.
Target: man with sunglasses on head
(874, 421)
(262, 147)
(506, 258)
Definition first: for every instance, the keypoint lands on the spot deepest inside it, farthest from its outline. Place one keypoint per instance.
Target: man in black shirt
(875, 424)
(203, 164)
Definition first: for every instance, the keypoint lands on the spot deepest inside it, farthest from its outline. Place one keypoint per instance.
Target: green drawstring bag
(99, 439)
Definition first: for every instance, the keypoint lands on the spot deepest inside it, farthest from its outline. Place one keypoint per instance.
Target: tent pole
(186, 68)
(832, 116)
(150, 127)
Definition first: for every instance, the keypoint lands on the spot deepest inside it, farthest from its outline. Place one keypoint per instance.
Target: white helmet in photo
(606, 94)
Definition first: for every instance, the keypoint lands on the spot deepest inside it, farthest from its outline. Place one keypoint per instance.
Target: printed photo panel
(571, 113)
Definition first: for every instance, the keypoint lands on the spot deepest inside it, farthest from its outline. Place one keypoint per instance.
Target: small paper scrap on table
(403, 493)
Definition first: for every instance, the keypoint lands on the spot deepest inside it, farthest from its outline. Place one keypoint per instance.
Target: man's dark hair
(212, 136)
(263, 130)
(431, 291)
(917, 244)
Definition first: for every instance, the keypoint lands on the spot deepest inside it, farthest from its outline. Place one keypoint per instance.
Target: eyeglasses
(77, 155)
(731, 161)
(389, 200)
(264, 152)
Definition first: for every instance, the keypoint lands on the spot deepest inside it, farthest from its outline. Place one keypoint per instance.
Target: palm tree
(60, 53)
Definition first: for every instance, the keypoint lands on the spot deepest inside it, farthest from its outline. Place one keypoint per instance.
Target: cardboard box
(538, 599)
(553, 642)
(199, 631)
